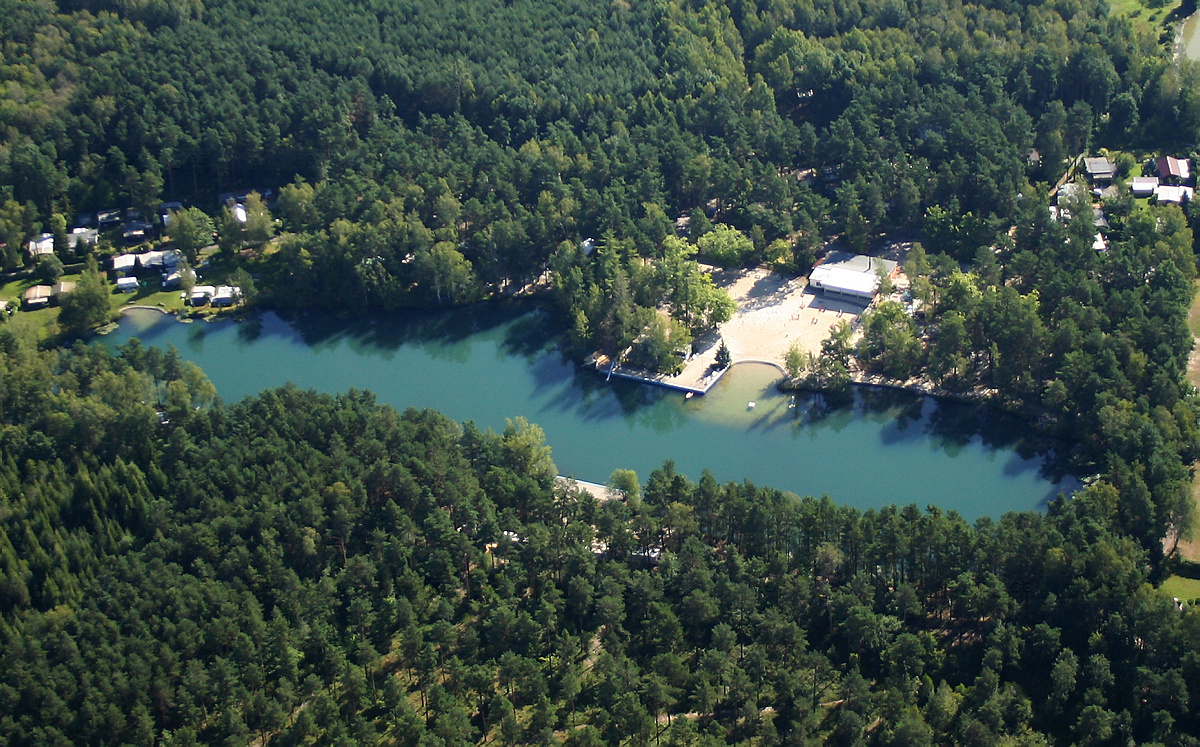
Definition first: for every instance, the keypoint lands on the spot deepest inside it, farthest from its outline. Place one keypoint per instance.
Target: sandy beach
(774, 312)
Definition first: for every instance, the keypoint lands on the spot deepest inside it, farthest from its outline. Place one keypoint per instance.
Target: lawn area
(150, 293)
(1182, 588)
(12, 290)
(1144, 17)
(41, 323)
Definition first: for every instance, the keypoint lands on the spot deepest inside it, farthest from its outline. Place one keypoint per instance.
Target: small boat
(689, 395)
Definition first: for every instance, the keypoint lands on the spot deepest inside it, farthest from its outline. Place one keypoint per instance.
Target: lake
(491, 362)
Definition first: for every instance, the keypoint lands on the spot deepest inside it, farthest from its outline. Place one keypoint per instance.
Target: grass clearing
(150, 293)
(1143, 16)
(1182, 588)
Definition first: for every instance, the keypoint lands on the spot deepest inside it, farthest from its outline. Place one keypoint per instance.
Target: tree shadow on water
(951, 427)
(250, 328)
(435, 330)
(532, 333)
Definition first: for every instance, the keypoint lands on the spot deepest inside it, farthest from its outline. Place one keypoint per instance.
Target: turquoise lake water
(489, 363)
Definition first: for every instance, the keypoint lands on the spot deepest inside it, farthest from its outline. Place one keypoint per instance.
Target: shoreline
(1177, 44)
(706, 384)
(858, 378)
(138, 306)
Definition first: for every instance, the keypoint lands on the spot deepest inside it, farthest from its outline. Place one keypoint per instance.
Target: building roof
(855, 274)
(42, 244)
(857, 262)
(846, 280)
(84, 235)
(135, 230)
(127, 282)
(226, 295)
(65, 286)
(1174, 195)
(124, 261)
(38, 293)
(1143, 186)
(1173, 167)
(1099, 168)
(160, 258)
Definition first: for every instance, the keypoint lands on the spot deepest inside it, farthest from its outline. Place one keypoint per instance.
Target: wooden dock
(698, 377)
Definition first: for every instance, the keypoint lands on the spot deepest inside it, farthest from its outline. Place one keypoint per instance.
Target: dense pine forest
(300, 568)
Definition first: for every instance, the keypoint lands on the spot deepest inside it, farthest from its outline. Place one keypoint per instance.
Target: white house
(37, 296)
(124, 264)
(226, 295)
(201, 295)
(42, 244)
(1174, 195)
(1143, 186)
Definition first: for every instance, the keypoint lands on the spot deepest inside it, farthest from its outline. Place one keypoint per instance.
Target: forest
(423, 155)
(301, 568)
(420, 154)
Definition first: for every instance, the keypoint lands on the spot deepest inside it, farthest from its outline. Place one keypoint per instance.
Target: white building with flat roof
(201, 295)
(1165, 193)
(124, 264)
(1143, 186)
(853, 277)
